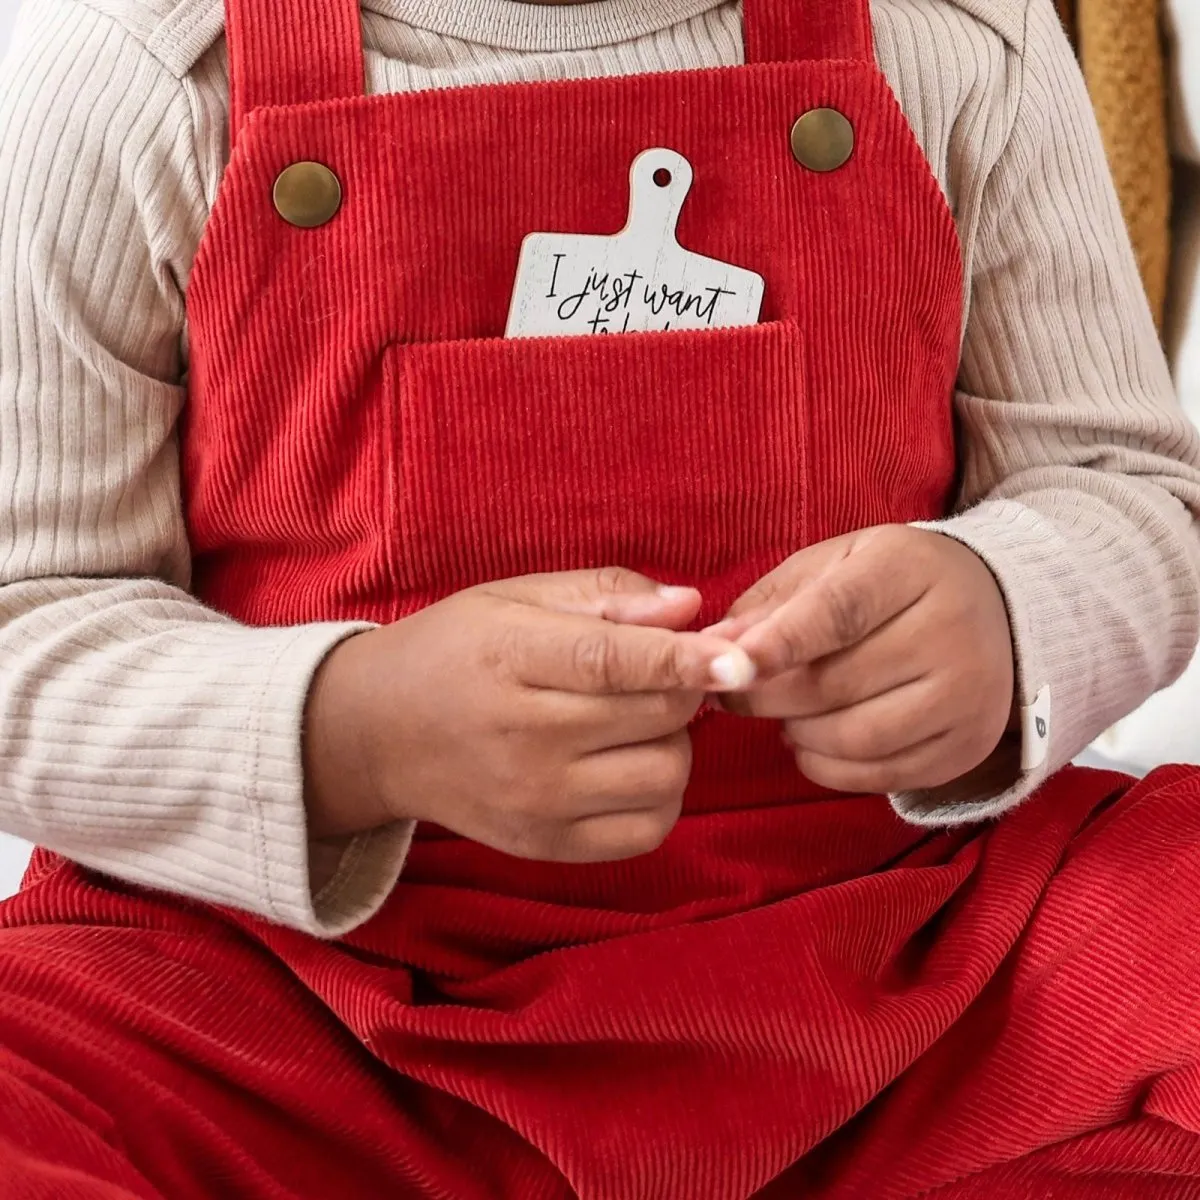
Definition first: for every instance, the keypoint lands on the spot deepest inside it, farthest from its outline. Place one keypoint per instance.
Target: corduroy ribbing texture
(722, 1016)
(1000, 1016)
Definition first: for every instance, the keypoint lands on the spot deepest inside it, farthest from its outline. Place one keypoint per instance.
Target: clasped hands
(547, 716)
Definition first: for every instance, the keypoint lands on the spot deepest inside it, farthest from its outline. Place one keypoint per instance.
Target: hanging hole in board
(662, 177)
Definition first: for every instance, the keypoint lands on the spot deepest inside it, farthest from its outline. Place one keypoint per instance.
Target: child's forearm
(1081, 475)
(157, 742)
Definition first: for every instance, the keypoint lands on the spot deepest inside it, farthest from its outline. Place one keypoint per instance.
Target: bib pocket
(678, 454)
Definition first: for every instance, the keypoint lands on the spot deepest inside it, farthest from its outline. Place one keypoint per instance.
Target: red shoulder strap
(290, 52)
(293, 51)
(807, 30)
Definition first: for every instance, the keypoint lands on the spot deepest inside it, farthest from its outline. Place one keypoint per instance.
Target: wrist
(344, 789)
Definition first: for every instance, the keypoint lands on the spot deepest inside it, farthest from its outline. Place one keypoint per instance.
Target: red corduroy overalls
(722, 1016)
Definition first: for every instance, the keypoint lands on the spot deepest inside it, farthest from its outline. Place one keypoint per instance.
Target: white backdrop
(8, 12)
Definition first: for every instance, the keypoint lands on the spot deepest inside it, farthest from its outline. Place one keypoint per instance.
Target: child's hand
(886, 653)
(545, 717)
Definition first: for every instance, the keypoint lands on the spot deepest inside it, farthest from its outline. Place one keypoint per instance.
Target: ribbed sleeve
(1080, 470)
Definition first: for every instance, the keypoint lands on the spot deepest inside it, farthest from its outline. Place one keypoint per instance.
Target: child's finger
(913, 769)
(592, 723)
(664, 608)
(733, 627)
(898, 653)
(814, 691)
(611, 593)
(778, 586)
(879, 728)
(581, 654)
(837, 610)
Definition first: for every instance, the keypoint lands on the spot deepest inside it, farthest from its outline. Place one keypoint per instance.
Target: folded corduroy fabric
(1121, 49)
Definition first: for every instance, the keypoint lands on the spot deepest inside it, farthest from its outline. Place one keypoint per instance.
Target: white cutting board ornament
(637, 280)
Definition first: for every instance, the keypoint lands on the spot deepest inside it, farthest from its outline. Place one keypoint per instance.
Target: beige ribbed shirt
(159, 742)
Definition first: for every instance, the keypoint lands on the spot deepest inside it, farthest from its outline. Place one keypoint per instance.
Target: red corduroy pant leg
(178, 1059)
(151, 1049)
(1076, 1073)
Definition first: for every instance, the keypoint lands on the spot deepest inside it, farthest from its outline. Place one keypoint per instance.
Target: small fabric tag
(1035, 731)
(636, 280)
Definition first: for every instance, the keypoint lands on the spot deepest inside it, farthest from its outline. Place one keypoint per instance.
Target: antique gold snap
(822, 139)
(307, 194)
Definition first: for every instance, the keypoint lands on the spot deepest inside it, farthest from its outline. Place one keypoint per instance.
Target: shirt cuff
(325, 887)
(162, 746)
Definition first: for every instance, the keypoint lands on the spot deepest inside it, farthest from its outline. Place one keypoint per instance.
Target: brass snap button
(307, 194)
(822, 139)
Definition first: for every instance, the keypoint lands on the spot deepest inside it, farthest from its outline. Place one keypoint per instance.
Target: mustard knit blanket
(1120, 48)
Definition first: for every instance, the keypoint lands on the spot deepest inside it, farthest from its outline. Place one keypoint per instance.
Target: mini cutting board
(636, 280)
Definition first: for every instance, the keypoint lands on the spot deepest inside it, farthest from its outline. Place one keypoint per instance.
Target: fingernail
(732, 670)
(675, 594)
